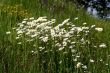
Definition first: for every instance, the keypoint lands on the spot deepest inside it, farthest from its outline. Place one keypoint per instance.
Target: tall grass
(19, 56)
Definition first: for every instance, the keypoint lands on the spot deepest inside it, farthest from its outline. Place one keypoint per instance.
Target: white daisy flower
(102, 45)
(99, 29)
(8, 32)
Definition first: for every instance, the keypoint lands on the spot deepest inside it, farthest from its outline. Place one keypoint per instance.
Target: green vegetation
(19, 53)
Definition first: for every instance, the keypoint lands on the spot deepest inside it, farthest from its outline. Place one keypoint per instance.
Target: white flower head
(85, 28)
(25, 19)
(64, 43)
(65, 21)
(79, 29)
(17, 37)
(45, 39)
(75, 59)
(92, 26)
(33, 36)
(106, 64)
(32, 18)
(8, 32)
(99, 29)
(73, 50)
(78, 56)
(23, 22)
(32, 51)
(19, 32)
(41, 19)
(101, 60)
(61, 48)
(102, 45)
(52, 32)
(85, 67)
(82, 40)
(19, 43)
(13, 28)
(76, 18)
(78, 65)
(53, 20)
(91, 60)
(84, 23)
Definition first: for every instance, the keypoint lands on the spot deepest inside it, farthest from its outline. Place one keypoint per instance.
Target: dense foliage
(101, 7)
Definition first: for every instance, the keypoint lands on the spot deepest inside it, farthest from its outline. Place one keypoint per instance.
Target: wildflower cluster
(16, 10)
(64, 38)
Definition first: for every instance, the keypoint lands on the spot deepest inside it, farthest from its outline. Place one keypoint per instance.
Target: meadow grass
(19, 56)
